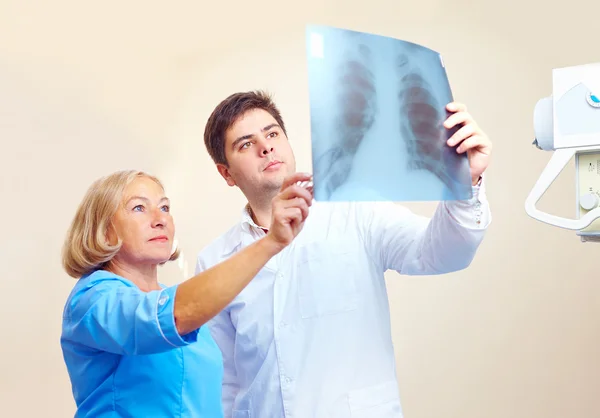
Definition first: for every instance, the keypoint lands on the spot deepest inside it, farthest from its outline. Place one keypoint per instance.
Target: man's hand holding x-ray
(469, 138)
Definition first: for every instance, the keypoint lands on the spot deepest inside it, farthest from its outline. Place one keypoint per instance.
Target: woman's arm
(203, 296)
(108, 313)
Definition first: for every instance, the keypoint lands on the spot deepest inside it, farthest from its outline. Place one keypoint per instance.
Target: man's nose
(266, 147)
(267, 150)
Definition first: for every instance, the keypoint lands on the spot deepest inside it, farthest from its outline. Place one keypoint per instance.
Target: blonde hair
(86, 248)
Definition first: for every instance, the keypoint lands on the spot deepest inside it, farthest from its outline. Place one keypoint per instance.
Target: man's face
(259, 154)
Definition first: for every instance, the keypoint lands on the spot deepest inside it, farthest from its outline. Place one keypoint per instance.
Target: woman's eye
(138, 208)
(166, 208)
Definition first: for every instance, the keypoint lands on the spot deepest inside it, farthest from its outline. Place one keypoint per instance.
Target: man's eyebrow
(271, 126)
(250, 136)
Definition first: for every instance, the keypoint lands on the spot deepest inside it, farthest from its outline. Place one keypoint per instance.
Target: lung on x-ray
(377, 107)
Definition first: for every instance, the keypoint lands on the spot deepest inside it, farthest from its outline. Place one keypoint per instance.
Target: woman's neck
(145, 276)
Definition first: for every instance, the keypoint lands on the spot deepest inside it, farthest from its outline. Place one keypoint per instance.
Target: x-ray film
(377, 107)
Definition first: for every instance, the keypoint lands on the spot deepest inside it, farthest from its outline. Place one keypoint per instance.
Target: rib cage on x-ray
(377, 121)
(358, 103)
(423, 139)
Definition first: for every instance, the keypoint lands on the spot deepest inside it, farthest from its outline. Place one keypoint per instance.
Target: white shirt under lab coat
(310, 336)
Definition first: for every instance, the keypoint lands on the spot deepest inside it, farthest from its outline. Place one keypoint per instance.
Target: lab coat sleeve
(113, 317)
(416, 245)
(223, 333)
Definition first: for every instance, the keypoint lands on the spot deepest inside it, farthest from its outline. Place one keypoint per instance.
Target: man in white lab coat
(310, 335)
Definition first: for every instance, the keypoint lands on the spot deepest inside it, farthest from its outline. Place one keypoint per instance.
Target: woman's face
(144, 224)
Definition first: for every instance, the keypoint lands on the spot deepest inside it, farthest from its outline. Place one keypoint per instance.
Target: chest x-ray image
(377, 107)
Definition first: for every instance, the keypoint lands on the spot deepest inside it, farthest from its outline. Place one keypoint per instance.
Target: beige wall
(515, 335)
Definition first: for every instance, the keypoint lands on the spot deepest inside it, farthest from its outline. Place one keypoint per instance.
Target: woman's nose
(159, 218)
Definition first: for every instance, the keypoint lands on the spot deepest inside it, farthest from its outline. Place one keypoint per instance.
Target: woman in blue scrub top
(134, 347)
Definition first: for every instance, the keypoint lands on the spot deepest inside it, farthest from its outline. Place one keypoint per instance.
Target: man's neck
(260, 210)
(261, 215)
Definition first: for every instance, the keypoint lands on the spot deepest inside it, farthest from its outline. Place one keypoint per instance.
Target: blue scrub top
(125, 357)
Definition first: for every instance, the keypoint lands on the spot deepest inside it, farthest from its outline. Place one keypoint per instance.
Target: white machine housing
(568, 123)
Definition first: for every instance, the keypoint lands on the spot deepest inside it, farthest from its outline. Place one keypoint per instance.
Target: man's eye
(246, 145)
(166, 208)
(273, 134)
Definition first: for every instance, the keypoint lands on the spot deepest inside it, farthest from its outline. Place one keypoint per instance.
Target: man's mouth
(273, 165)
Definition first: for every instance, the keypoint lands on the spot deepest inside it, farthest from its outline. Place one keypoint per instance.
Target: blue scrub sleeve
(124, 320)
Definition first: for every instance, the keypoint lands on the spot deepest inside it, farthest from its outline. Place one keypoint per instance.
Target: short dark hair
(227, 113)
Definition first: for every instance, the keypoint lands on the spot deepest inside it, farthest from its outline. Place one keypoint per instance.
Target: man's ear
(224, 171)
